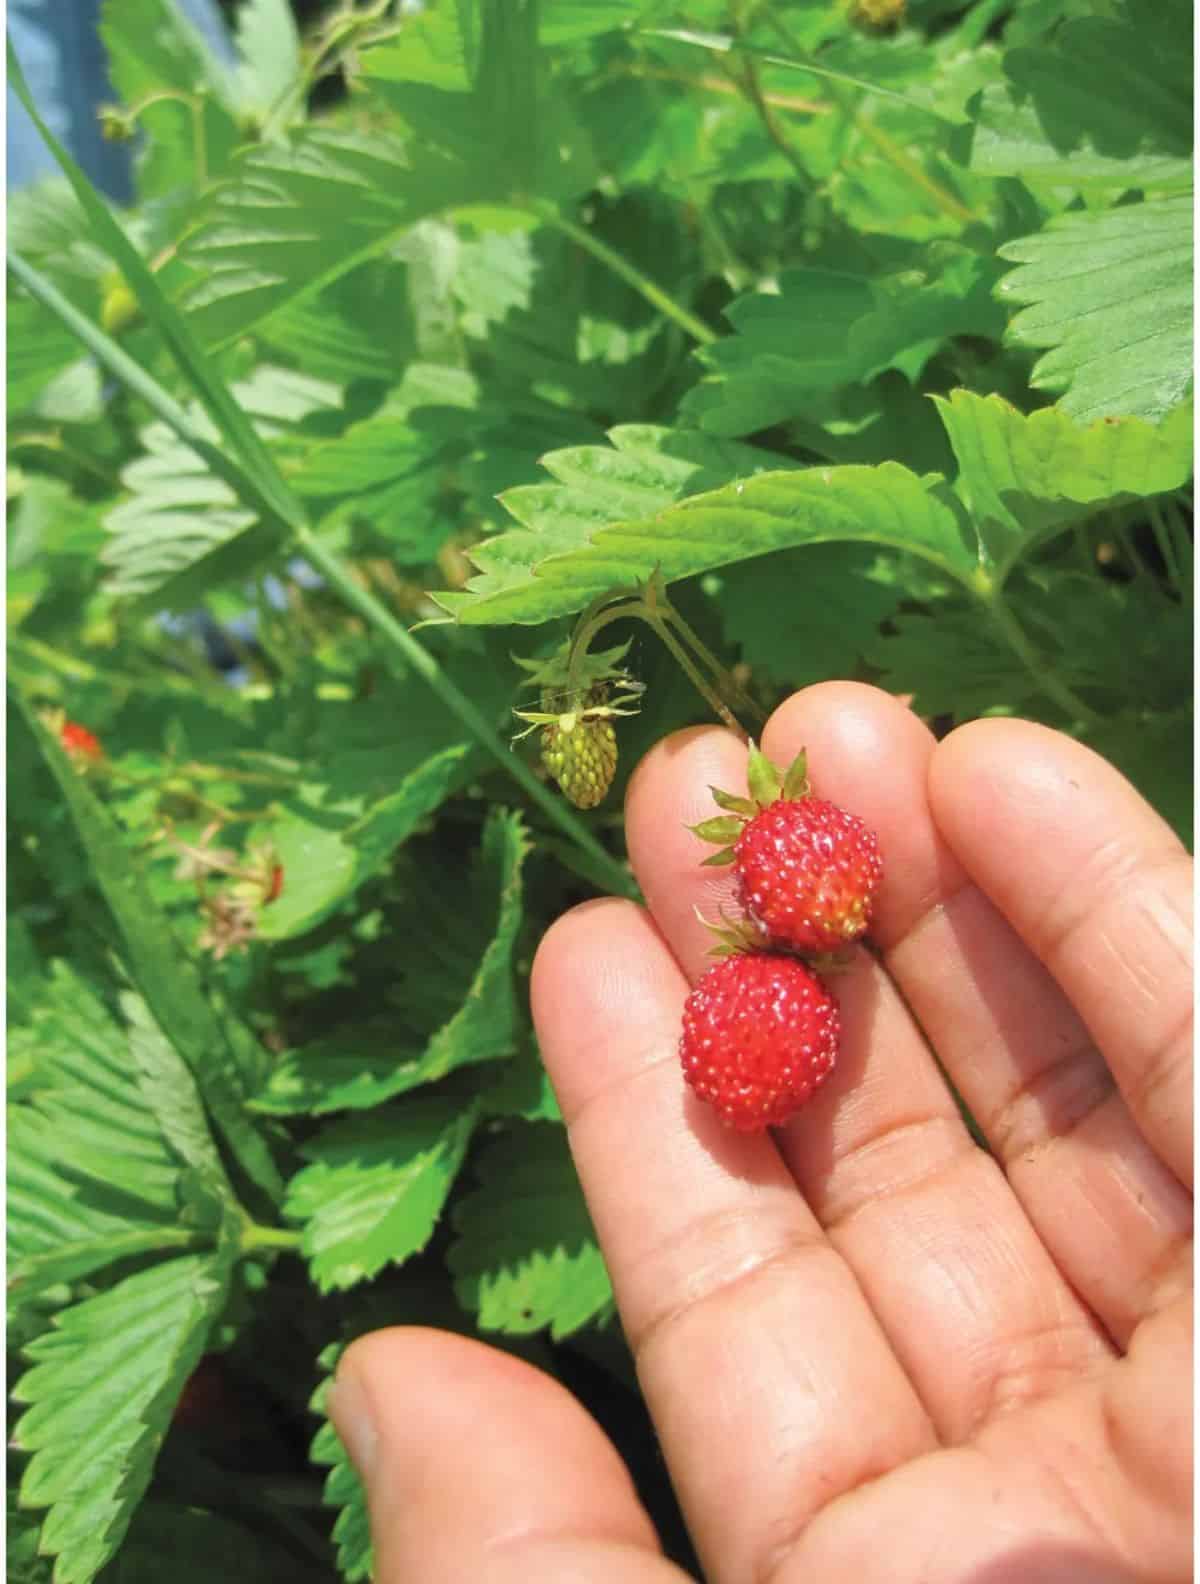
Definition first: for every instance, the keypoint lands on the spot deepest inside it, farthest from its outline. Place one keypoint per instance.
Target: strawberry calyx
(732, 935)
(767, 784)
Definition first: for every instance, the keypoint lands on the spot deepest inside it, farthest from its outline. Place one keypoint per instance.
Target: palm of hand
(873, 1350)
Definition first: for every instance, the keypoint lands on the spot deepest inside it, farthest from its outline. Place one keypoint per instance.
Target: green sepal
(762, 778)
(552, 673)
(735, 805)
(718, 859)
(795, 781)
(723, 829)
(732, 935)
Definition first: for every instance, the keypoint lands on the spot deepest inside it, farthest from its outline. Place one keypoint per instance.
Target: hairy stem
(255, 1236)
(1044, 675)
(620, 266)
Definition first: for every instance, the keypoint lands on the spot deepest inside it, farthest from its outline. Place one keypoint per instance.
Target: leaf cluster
(431, 332)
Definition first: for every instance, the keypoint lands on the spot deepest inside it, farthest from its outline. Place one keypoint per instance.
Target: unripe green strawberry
(579, 743)
(760, 1036)
(580, 752)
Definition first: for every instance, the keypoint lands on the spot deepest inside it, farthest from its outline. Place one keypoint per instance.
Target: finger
(972, 1304)
(669, 792)
(1113, 1218)
(1099, 889)
(478, 1466)
(755, 1349)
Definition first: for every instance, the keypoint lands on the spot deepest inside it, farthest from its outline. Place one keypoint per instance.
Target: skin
(872, 1350)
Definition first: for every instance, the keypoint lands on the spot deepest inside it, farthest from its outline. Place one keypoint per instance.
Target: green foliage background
(874, 341)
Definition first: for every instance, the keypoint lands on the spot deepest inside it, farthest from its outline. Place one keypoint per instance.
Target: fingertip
(670, 791)
(993, 774)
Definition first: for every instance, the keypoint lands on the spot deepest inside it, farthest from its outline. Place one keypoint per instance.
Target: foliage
(824, 349)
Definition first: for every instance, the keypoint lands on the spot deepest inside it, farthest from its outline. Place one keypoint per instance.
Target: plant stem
(256, 1236)
(1166, 548)
(1048, 683)
(946, 201)
(735, 694)
(652, 606)
(619, 265)
(904, 162)
(418, 659)
(684, 660)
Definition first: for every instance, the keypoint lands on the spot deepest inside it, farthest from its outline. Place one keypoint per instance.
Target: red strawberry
(79, 742)
(807, 871)
(760, 1034)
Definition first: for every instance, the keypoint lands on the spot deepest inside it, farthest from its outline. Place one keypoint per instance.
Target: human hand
(872, 1350)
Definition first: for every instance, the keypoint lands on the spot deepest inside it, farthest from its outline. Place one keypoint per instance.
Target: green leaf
(343, 1488)
(182, 529)
(1111, 294)
(297, 215)
(259, 472)
(194, 1545)
(824, 329)
(169, 1090)
(24, 1565)
(100, 1393)
(1106, 104)
(91, 1177)
(525, 1256)
(576, 554)
(359, 328)
(722, 44)
(953, 662)
(323, 864)
(580, 541)
(375, 1187)
(1023, 477)
(268, 47)
(39, 352)
(802, 616)
(388, 472)
(189, 133)
(457, 1002)
(1155, 752)
(162, 972)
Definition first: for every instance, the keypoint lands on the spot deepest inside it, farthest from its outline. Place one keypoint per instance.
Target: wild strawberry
(579, 745)
(79, 742)
(580, 752)
(760, 1035)
(807, 871)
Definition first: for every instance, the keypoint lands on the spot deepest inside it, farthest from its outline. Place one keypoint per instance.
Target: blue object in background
(58, 45)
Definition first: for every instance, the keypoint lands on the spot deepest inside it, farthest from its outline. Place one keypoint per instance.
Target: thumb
(478, 1466)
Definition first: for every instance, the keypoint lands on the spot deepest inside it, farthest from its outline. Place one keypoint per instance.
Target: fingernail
(349, 1407)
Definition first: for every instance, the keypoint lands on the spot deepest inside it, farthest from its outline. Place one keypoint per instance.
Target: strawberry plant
(660, 358)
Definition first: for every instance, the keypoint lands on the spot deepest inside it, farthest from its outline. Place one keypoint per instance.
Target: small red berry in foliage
(208, 1400)
(79, 742)
(760, 1035)
(807, 871)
